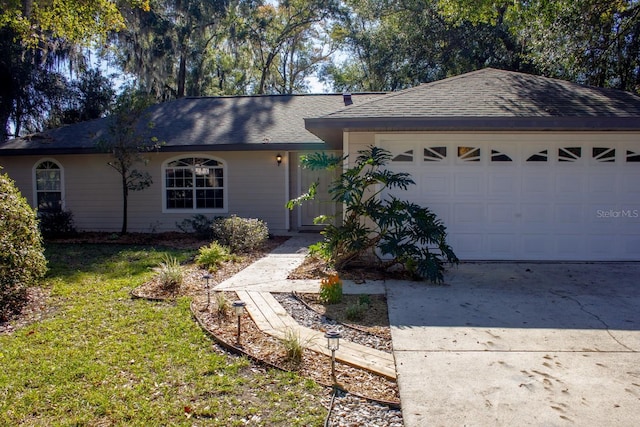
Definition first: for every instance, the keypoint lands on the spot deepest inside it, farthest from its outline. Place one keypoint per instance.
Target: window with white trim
(193, 184)
(48, 186)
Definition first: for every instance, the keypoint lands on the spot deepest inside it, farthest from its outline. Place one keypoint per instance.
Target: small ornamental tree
(376, 229)
(22, 260)
(127, 140)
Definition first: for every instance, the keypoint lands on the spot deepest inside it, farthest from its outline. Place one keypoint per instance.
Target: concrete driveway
(515, 344)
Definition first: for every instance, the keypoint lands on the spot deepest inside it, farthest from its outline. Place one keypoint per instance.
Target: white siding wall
(255, 184)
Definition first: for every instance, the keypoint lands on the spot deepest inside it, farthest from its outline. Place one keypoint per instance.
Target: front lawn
(100, 357)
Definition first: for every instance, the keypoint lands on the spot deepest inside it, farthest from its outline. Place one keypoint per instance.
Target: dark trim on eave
(251, 147)
(331, 129)
(311, 146)
(45, 151)
(599, 123)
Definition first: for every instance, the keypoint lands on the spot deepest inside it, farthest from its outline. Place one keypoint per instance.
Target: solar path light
(207, 277)
(238, 307)
(333, 343)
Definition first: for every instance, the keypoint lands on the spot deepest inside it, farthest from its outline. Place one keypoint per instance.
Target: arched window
(194, 184)
(49, 186)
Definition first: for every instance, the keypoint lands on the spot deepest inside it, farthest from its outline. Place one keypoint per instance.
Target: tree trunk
(125, 199)
(182, 74)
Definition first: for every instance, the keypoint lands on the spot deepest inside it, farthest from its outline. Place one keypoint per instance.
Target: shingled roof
(488, 99)
(269, 122)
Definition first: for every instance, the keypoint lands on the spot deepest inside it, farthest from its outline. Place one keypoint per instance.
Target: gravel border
(348, 410)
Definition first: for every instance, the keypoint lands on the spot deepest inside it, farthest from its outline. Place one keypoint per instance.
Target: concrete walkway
(255, 283)
(269, 274)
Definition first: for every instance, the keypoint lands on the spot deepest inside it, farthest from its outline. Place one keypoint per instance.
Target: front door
(322, 205)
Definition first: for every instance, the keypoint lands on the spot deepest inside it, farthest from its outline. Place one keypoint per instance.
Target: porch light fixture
(207, 277)
(278, 159)
(333, 343)
(238, 307)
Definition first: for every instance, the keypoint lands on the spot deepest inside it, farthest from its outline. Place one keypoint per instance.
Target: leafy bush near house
(377, 229)
(199, 224)
(240, 234)
(22, 260)
(213, 255)
(56, 223)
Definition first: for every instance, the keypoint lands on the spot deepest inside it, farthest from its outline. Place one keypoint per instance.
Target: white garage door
(527, 200)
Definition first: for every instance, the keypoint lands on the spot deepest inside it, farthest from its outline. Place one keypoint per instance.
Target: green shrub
(240, 234)
(22, 260)
(170, 274)
(199, 225)
(331, 289)
(355, 311)
(213, 255)
(364, 300)
(375, 230)
(56, 223)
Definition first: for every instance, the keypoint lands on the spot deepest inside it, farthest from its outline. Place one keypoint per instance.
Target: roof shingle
(487, 100)
(215, 123)
(497, 93)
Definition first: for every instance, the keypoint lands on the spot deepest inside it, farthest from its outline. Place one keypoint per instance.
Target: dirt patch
(373, 318)
(266, 348)
(194, 284)
(38, 307)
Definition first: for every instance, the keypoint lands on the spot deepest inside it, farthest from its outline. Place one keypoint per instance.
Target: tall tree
(394, 45)
(280, 35)
(162, 44)
(34, 38)
(88, 97)
(589, 41)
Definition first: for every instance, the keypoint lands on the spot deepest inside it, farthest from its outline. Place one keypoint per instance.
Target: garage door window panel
(435, 154)
(633, 156)
(468, 154)
(497, 156)
(569, 154)
(406, 156)
(541, 156)
(603, 154)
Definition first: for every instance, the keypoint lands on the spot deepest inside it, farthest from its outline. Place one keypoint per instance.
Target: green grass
(103, 358)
